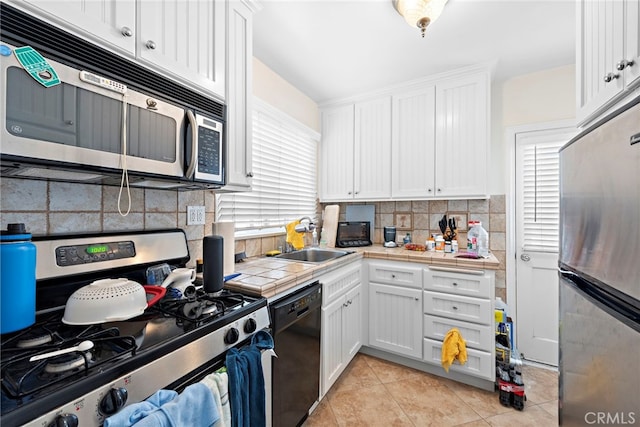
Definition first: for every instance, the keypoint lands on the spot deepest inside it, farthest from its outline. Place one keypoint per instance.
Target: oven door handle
(194, 142)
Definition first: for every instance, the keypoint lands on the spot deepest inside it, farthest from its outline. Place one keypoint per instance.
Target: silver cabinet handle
(429, 190)
(525, 257)
(249, 174)
(455, 283)
(151, 45)
(357, 192)
(126, 31)
(349, 193)
(610, 77)
(439, 190)
(624, 64)
(417, 299)
(454, 307)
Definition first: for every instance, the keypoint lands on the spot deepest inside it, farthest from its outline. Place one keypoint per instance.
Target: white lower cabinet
(461, 299)
(395, 315)
(341, 323)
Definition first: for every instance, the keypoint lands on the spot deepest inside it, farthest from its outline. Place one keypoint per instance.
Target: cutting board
(330, 224)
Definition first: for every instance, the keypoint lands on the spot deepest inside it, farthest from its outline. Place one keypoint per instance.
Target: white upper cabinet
(111, 21)
(336, 153)
(608, 54)
(356, 151)
(429, 140)
(413, 143)
(372, 149)
(182, 38)
(462, 137)
(186, 38)
(239, 96)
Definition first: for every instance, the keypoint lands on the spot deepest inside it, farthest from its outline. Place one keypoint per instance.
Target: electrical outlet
(195, 215)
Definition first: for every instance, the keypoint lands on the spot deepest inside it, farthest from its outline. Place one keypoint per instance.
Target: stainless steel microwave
(90, 128)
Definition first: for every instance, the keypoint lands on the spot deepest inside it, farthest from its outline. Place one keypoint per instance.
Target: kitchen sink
(313, 255)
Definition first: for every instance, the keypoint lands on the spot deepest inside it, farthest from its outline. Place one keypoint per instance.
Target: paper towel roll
(226, 229)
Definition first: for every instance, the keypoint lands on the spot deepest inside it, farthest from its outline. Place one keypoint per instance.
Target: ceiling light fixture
(419, 13)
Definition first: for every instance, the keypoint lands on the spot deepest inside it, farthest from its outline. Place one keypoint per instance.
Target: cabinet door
(632, 43)
(395, 319)
(462, 107)
(352, 324)
(372, 149)
(186, 38)
(111, 21)
(332, 352)
(413, 144)
(600, 48)
(336, 155)
(239, 95)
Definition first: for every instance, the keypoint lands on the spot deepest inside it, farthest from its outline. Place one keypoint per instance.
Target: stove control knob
(113, 401)
(65, 420)
(250, 325)
(231, 336)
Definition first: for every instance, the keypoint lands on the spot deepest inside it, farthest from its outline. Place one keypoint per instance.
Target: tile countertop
(268, 276)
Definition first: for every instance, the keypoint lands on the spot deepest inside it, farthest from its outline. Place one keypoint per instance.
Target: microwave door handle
(194, 141)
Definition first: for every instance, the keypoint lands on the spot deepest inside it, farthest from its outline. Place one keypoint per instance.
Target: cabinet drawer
(480, 337)
(395, 275)
(337, 282)
(479, 363)
(459, 307)
(470, 284)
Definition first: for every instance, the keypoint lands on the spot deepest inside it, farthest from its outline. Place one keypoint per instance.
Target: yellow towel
(293, 237)
(453, 348)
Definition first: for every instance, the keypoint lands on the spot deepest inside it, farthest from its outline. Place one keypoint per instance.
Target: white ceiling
(331, 49)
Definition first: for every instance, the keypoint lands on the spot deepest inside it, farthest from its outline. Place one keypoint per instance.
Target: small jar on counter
(447, 246)
(454, 246)
(439, 244)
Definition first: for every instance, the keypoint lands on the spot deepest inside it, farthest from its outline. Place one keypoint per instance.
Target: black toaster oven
(353, 233)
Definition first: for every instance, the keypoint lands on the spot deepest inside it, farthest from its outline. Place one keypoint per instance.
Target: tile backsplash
(54, 207)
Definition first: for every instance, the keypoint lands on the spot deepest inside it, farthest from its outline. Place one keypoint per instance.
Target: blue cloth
(246, 382)
(194, 407)
(131, 414)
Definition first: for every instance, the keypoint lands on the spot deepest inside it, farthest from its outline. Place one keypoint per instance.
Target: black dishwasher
(295, 322)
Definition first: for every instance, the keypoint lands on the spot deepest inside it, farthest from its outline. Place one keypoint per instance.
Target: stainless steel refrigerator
(600, 273)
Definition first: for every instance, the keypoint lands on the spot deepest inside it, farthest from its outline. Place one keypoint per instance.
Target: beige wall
(544, 96)
(274, 90)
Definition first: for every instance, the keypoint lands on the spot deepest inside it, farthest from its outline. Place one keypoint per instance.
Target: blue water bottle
(17, 279)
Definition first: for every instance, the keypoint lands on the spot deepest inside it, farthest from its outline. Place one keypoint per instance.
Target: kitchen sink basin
(313, 255)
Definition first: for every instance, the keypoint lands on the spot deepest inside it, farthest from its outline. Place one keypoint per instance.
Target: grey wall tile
(23, 195)
(420, 206)
(497, 241)
(115, 221)
(160, 201)
(387, 207)
(190, 198)
(66, 222)
(458, 206)
(497, 222)
(497, 203)
(35, 222)
(110, 199)
(68, 197)
(438, 207)
(404, 206)
(478, 206)
(160, 220)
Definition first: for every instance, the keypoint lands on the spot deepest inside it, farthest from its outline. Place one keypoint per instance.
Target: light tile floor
(374, 392)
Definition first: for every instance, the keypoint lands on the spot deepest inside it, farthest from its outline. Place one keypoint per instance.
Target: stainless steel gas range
(174, 343)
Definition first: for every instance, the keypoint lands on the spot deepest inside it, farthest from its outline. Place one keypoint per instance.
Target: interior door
(537, 222)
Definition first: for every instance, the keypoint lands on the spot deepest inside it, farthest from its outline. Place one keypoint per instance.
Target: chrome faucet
(305, 225)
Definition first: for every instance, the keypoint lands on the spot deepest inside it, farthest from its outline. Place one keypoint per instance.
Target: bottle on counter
(439, 244)
(407, 239)
(477, 239)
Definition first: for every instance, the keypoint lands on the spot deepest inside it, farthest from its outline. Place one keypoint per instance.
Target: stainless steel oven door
(80, 123)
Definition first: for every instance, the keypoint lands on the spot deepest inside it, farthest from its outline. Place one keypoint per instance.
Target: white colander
(105, 300)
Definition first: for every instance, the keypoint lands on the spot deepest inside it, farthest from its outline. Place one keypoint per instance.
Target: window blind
(540, 196)
(284, 174)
